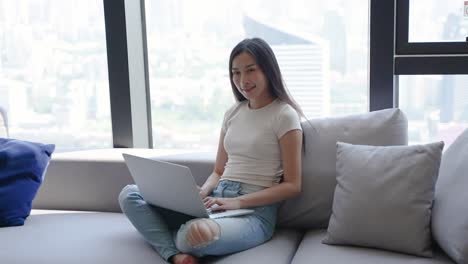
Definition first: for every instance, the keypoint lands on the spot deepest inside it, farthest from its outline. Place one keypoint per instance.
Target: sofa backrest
(92, 180)
(312, 209)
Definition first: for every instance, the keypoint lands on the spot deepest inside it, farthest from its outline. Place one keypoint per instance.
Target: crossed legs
(152, 223)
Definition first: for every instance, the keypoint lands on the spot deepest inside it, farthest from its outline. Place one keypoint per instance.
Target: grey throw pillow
(450, 212)
(384, 196)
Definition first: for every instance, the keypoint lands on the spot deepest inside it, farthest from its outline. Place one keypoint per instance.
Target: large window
(436, 106)
(321, 46)
(431, 63)
(53, 72)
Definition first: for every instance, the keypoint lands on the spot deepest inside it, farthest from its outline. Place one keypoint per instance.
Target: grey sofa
(77, 218)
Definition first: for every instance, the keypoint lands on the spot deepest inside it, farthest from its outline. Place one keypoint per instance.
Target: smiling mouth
(249, 89)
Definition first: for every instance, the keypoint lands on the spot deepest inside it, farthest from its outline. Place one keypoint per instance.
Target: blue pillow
(22, 167)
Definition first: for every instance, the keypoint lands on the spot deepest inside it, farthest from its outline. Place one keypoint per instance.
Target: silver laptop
(171, 186)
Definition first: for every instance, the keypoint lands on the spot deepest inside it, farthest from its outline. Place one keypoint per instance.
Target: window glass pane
(436, 106)
(321, 47)
(438, 21)
(53, 72)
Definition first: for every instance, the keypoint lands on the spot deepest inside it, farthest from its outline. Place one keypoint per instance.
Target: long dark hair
(264, 57)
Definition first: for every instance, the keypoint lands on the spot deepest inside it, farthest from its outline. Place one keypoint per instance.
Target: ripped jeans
(166, 231)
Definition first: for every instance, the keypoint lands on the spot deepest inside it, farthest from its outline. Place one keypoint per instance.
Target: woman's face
(249, 79)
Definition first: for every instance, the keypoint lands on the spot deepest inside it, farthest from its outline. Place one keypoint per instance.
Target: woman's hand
(217, 203)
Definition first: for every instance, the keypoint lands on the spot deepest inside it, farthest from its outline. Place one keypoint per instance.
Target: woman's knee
(129, 191)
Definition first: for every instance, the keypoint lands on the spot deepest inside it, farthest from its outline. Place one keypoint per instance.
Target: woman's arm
(291, 147)
(213, 179)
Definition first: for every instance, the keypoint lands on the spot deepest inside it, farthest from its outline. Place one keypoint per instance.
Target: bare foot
(184, 259)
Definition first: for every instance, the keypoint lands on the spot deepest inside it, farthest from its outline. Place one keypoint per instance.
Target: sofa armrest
(92, 180)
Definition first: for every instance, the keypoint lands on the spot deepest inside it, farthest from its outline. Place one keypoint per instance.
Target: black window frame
(127, 132)
(381, 55)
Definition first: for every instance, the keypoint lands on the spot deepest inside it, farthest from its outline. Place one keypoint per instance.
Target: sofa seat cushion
(311, 250)
(75, 237)
(280, 249)
(50, 237)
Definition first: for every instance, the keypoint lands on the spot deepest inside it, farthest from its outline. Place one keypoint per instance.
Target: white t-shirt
(252, 141)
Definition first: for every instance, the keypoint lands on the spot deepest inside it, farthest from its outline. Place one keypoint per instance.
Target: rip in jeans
(196, 238)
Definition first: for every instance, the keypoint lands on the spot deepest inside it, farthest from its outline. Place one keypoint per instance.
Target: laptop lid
(166, 185)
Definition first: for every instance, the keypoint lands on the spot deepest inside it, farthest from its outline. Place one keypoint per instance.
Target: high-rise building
(304, 63)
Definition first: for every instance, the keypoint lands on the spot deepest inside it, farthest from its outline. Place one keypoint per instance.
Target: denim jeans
(166, 230)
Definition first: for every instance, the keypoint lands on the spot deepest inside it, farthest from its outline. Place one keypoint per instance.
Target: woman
(258, 165)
